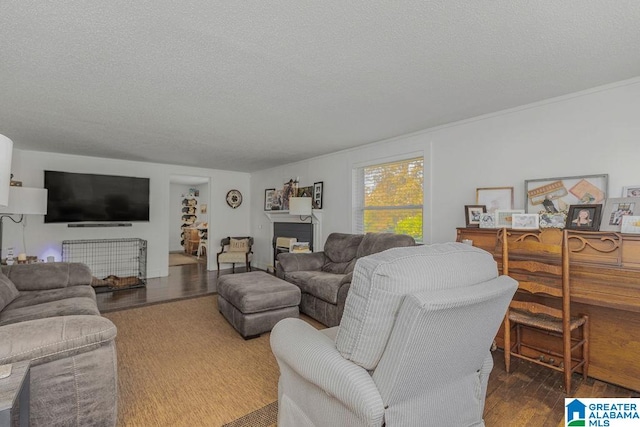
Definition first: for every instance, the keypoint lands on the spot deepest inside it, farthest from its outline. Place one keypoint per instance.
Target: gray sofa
(49, 315)
(324, 277)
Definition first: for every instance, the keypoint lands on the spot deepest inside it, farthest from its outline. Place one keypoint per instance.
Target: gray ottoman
(254, 302)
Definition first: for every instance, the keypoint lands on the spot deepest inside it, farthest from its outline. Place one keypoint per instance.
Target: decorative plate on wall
(234, 198)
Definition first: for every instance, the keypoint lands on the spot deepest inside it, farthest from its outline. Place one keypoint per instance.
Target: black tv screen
(82, 197)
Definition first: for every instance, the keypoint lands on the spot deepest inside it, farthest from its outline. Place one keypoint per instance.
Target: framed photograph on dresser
(505, 218)
(472, 214)
(584, 217)
(495, 198)
(616, 209)
(557, 194)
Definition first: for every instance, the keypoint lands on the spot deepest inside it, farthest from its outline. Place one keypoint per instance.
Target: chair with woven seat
(235, 250)
(543, 305)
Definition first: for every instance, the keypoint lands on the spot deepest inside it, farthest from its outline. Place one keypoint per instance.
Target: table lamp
(23, 201)
(6, 149)
(300, 206)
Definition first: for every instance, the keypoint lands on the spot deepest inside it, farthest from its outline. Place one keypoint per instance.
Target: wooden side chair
(543, 304)
(235, 250)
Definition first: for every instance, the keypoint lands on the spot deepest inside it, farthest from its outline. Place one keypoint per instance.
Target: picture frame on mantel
(318, 189)
(268, 198)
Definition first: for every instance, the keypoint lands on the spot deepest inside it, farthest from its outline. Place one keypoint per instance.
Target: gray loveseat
(49, 315)
(324, 277)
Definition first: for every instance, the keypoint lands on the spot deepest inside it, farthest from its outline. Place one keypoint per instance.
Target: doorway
(188, 222)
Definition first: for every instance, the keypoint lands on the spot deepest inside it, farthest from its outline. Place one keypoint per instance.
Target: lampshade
(6, 149)
(26, 200)
(300, 206)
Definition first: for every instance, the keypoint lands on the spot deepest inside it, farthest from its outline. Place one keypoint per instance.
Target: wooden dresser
(605, 284)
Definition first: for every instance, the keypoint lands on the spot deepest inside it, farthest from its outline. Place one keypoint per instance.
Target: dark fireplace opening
(303, 232)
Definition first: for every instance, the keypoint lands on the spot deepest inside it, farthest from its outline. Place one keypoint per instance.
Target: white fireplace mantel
(315, 218)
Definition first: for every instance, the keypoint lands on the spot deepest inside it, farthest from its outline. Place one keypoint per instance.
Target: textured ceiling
(250, 85)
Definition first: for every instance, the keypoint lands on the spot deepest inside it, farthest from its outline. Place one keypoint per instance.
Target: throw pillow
(239, 245)
(8, 291)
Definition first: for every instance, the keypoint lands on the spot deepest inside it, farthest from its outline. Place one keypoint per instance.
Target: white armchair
(412, 348)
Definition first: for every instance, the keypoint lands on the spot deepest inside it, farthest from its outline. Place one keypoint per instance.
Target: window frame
(357, 202)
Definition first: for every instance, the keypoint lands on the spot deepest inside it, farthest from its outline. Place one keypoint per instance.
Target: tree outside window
(391, 198)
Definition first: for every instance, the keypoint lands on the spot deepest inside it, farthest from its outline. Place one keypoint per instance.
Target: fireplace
(302, 232)
(287, 225)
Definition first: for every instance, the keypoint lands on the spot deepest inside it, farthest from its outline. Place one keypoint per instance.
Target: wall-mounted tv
(83, 197)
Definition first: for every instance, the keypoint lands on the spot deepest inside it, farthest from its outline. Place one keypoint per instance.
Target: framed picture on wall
(318, 189)
(557, 194)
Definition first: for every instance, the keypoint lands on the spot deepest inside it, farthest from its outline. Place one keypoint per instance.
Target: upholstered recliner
(324, 277)
(412, 349)
(235, 250)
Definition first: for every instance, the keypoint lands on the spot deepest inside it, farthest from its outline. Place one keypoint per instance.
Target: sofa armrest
(288, 262)
(50, 275)
(313, 356)
(347, 278)
(46, 340)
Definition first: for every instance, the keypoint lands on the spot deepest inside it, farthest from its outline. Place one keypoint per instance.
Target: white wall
(46, 239)
(591, 132)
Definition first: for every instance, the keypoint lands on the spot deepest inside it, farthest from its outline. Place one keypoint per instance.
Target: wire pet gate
(115, 263)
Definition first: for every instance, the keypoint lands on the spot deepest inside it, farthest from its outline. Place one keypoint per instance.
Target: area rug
(182, 364)
(264, 417)
(181, 259)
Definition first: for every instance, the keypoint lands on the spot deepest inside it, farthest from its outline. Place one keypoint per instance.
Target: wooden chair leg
(507, 343)
(233, 268)
(566, 357)
(585, 348)
(218, 274)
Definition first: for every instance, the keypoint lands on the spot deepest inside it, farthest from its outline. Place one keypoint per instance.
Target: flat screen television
(83, 197)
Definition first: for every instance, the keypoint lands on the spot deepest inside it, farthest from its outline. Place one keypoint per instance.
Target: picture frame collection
(574, 202)
(276, 199)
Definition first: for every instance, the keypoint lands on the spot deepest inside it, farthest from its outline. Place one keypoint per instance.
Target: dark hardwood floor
(530, 395)
(183, 281)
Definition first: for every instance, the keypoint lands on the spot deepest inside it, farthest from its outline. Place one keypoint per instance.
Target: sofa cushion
(320, 284)
(28, 298)
(381, 281)
(64, 307)
(8, 291)
(372, 243)
(341, 248)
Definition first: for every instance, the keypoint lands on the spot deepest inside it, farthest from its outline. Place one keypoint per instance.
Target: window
(389, 198)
